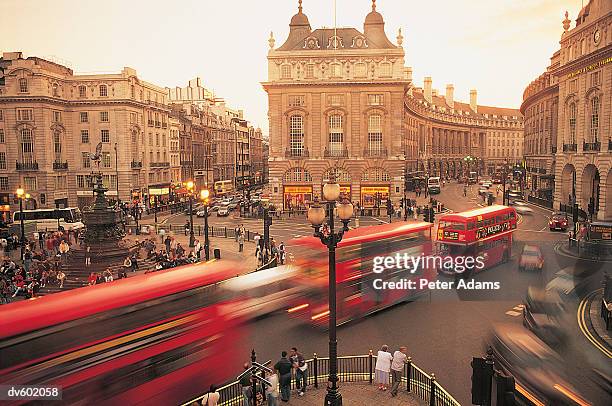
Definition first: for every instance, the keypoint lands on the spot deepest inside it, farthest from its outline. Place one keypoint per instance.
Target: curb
(592, 299)
(561, 249)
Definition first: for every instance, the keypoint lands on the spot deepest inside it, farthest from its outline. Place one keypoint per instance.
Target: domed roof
(299, 19)
(374, 17)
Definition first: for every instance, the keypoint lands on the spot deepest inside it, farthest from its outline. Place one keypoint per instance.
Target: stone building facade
(568, 115)
(342, 103)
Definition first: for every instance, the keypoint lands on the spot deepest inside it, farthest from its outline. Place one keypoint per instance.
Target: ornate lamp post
(22, 195)
(190, 187)
(267, 223)
(204, 195)
(316, 217)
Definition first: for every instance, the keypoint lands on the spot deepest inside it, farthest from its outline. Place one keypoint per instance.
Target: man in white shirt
(397, 368)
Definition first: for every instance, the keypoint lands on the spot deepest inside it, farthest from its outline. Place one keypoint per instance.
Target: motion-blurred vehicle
(536, 368)
(531, 258)
(141, 340)
(496, 181)
(232, 206)
(571, 282)
(516, 203)
(543, 313)
(521, 209)
(483, 191)
(223, 211)
(558, 221)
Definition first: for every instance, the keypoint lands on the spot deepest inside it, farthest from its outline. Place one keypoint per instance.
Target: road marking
(377, 219)
(580, 315)
(544, 229)
(297, 236)
(519, 307)
(513, 313)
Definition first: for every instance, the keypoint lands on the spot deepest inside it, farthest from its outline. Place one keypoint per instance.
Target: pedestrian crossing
(516, 310)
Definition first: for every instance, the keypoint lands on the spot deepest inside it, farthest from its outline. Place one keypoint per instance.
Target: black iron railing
(375, 152)
(136, 164)
(60, 166)
(355, 368)
(198, 229)
(160, 164)
(541, 202)
(333, 152)
(554, 149)
(297, 153)
(26, 166)
(570, 147)
(591, 146)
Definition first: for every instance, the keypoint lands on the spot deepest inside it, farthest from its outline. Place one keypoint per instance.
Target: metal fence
(597, 250)
(541, 202)
(353, 368)
(213, 231)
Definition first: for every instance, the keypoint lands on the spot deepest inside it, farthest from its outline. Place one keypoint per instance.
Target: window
(375, 99)
(385, 69)
(85, 160)
(29, 183)
(286, 72)
(57, 116)
(106, 160)
(84, 181)
(360, 70)
(4, 183)
(82, 91)
(1, 116)
(336, 99)
(24, 115)
(336, 135)
(157, 140)
(104, 116)
(105, 136)
(85, 136)
(594, 118)
(573, 85)
(296, 135)
(132, 92)
(375, 144)
(309, 71)
(2, 160)
(27, 146)
(84, 117)
(61, 182)
(2, 139)
(54, 90)
(335, 70)
(57, 146)
(132, 118)
(150, 139)
(572, 123)
(23, 85)
(595, 79)
(296, 100)
(297, 175)
(375, 175)
(103, 90)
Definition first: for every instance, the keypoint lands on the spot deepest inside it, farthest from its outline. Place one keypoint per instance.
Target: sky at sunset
(494, 46)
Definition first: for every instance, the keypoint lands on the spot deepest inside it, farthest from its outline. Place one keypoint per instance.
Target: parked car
(531, 258)
(558, 221)
(223, 211)
(523, 209)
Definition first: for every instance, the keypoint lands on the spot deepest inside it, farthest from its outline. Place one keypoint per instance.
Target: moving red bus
(154, 339)
(485, 232)
(356, 281)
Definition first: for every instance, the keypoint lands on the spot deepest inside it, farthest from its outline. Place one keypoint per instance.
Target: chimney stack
(434, 92)
(427, 86)
(450, 89)
(473, 103)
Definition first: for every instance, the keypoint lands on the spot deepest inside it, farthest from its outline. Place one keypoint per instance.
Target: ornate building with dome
(342, 104)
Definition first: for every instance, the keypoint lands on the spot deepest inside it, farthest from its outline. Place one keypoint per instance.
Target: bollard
(408, 373)
(432, 390)
(315, 368)
(370, 356)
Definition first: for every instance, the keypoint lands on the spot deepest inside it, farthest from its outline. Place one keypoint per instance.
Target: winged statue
(96, 157)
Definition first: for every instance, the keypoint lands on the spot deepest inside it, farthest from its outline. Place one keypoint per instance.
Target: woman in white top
(212, 397)
(272, 391)
(383, 367)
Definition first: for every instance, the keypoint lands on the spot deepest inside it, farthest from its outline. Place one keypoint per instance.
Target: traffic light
(505, 390)
(432, 215)
(426, 214)
(478, 381)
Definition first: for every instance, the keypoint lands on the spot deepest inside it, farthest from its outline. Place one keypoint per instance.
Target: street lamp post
(204, 195)
(190, 187)
(22, 195)
(266, 236)
(117, 173)
(155, 209)
(316, 216)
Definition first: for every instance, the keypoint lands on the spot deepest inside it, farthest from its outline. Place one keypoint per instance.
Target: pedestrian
(241, 242)
(272, 390)
(41, 240)
(397, 367)
(281, 252)
(283, 367)
(127, 263)
(245, 384)
(236, 233)
(383, 367)
(212, 397)
(88, 256)
(186, 228)
(301, 370)
(92, 279)
(27, 260)
(197, 249)
(61, 277)
(134, 261)
(167, 243)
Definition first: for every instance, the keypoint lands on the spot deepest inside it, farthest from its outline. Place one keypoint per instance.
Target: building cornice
(537, 95)
(283, 84)
(583, 61)
(52, 100)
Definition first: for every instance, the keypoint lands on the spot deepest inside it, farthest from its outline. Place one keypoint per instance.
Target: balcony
(26, 166)
(160, 164)
(569, 148)
(591, 146)
(158, 124)
(554, 149)
(336, 152)
(186, 163)
(60, 166)
(542, 171)
(375, 152)
(136, 164)
(150, 123)
(164, 125)
(297, 153)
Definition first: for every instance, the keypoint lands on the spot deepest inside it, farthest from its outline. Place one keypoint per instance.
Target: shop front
(374, 197)
(296, 197)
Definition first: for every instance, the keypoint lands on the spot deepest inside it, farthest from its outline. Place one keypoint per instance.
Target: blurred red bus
(485, 232)
(154, 339)
(355, 278)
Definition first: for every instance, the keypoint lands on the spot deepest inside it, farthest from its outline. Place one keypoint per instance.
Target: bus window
(511, 214)
(480, 224)
(489, 221)
(470, 225)
(499, 219)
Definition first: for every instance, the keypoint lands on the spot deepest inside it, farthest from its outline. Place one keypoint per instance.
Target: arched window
(375, 175)
(340, 175)
(23, 85)
(375, 135)
(55, 90)
(82, 91)
(594, 118)
(103, 90)
(296, 135)
(57, 146)
(27, 146)
(294, 175)
(572, 123)
(336, 136)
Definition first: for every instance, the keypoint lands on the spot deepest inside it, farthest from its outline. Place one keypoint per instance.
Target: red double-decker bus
(151, 339)
(485, 232)
(360, 290)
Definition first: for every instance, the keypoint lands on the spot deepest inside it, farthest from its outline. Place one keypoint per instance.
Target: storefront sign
(590, 67)
(492, 230)
(447, 235)
(374, 189)
(600, 232)
(345, 189)
(298, 189)
(159, 191)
